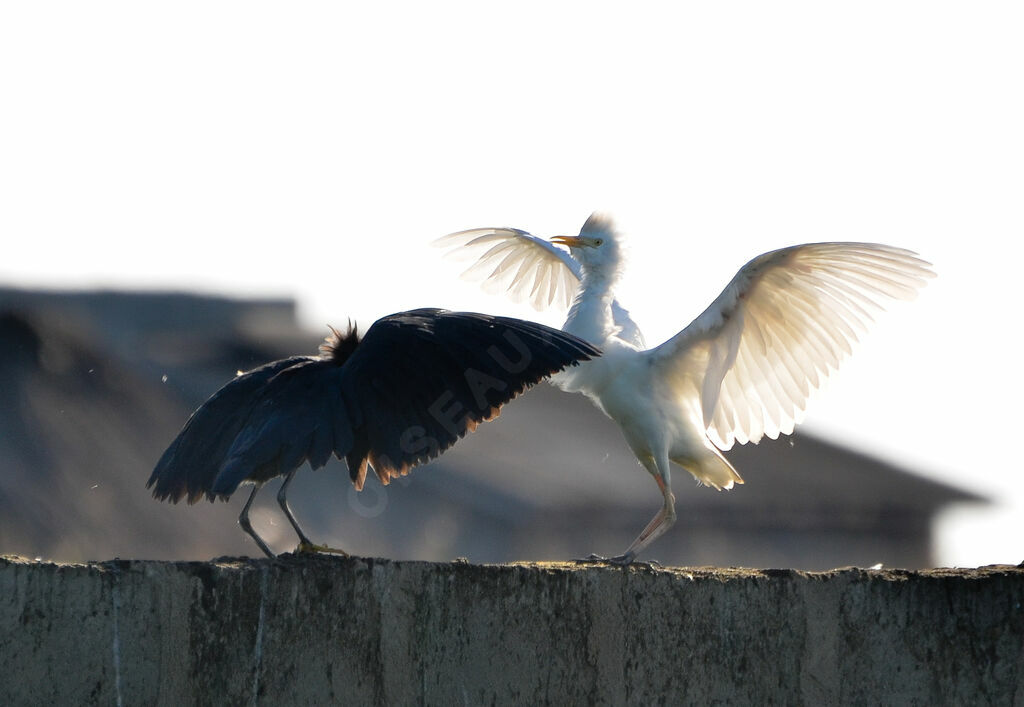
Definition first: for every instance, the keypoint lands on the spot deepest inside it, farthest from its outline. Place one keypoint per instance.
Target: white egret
(742, 370)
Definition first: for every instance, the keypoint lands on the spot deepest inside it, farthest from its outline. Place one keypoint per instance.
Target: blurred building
(93, 386)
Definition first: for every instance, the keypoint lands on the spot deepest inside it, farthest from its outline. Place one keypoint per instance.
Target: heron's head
(337, 347)
(597, 248)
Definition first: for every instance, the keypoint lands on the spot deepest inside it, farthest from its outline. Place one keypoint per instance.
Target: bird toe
(308, 547)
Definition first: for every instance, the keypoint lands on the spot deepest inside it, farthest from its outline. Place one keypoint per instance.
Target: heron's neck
(591, 315)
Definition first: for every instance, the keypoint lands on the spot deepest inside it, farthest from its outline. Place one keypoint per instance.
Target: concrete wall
(316, 630)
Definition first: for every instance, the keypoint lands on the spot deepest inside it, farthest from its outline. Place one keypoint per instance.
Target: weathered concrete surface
(317, 630)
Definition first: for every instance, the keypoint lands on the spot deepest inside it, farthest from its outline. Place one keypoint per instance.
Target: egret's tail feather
(711, 469)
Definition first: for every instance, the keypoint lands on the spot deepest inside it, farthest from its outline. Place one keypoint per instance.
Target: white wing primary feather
(783, 324)
(527, 268)
(524, 266)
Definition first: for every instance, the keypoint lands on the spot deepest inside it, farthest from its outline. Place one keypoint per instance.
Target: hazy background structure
(95, 385)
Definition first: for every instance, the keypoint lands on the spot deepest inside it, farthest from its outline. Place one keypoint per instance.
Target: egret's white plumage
(529, 269)
(742, 370)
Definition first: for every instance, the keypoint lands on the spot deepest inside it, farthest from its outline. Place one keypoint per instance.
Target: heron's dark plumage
(189, 466)
(402, 395)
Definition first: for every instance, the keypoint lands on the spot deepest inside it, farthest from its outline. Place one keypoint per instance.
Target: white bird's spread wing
(527, 268)
(750, 361)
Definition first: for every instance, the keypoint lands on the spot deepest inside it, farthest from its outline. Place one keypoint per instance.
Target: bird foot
(623, 559)
(626, 558)
(306, 546)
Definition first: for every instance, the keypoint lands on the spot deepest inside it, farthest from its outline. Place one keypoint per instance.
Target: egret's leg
(305, 544)
(662, 520)
(243, 520)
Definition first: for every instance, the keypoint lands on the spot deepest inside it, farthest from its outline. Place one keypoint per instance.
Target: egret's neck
(591, 315)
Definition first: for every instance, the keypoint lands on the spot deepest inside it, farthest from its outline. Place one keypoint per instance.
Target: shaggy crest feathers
(337, 347)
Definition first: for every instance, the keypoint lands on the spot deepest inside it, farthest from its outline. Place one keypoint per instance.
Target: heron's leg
(305, 544)
(243, 520)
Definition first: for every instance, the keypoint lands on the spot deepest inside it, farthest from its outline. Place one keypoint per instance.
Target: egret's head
(597, 247)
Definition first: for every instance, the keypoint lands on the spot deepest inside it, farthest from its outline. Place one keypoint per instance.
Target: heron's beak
(570, 241)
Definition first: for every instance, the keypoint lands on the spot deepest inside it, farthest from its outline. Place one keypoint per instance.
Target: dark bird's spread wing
(420, 380)
(408, 391)
(300, 416)
(192, 462)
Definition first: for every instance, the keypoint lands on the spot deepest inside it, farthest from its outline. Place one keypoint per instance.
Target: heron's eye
(598, 241)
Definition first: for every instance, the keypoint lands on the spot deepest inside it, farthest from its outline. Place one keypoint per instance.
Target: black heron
(400, 396)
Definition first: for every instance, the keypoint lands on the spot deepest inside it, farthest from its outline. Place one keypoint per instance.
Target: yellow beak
(570, 241)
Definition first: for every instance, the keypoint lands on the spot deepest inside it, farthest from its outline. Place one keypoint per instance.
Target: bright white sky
(315, 149)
